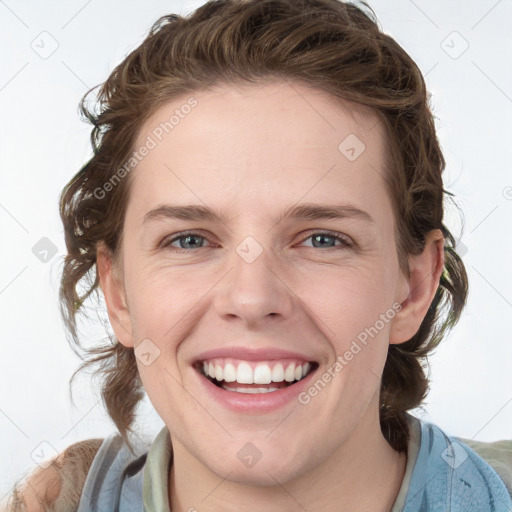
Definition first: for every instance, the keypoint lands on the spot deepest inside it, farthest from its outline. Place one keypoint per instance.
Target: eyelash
(338, 237)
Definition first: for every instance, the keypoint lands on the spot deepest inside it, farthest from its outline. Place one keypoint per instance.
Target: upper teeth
(250, 372)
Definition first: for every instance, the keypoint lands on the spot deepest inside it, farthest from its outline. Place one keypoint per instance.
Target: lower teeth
(250, 390)
(246, 389)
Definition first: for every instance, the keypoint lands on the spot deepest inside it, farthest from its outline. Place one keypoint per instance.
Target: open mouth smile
(252, 377)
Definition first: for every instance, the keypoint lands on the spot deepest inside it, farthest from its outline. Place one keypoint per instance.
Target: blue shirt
(443, 474)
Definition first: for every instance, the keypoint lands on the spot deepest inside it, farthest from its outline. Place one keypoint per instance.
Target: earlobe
(115, 298)
(426, 269)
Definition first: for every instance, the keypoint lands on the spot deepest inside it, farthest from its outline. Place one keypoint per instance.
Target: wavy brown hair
(330, 45)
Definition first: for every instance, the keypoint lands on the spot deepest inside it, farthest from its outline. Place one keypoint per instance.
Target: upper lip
(252, 354)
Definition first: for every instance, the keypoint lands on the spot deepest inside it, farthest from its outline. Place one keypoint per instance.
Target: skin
(250, 152)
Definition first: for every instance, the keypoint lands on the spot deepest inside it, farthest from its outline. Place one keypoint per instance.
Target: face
(256, 280)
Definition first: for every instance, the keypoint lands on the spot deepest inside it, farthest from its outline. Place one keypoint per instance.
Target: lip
(248, 354)
(257, 402)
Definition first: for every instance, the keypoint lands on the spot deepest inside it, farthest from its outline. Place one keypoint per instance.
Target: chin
(263, 476)
(251, 468)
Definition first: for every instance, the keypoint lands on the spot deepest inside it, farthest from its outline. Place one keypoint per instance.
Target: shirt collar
(155, 495)
(155, 490)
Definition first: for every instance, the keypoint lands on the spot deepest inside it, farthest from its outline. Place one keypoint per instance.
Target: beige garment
(66, 473)
(497, 454)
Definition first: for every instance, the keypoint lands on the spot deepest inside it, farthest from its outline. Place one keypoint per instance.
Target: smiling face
(262, 279)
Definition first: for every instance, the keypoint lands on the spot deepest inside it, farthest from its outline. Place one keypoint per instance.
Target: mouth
(254, 377)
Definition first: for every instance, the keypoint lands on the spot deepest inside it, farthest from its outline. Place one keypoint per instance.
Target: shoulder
(92, 473)
(58, 483)
(449, 475)
(498, 454)
(115, 477)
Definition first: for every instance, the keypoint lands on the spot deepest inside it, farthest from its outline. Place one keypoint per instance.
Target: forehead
(259, 147)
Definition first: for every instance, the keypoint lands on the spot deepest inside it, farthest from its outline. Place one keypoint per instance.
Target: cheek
(347, 299)
(160, 298)
(355, 310)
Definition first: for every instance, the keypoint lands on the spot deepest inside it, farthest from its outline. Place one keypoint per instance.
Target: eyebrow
(305, 211)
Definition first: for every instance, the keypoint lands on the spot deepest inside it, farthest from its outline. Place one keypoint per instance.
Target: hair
(56, 487)
(329, 45)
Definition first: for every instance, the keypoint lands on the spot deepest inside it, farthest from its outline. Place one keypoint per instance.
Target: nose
(254, 290)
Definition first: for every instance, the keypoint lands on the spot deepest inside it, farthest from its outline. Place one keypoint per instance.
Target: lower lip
(255, 402)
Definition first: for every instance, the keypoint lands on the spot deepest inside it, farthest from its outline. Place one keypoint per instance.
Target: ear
(421, 287)
(111, 284)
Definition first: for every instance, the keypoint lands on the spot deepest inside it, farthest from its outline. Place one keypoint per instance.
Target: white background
(43, 143)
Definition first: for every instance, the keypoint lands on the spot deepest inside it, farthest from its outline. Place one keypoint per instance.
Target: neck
(364, 474)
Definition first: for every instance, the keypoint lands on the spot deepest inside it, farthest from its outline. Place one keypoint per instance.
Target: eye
(186, 240)
(328, 240)
(193, 240)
